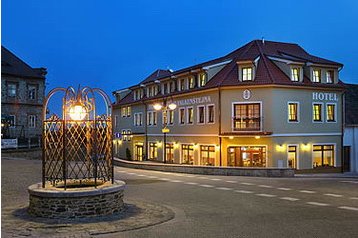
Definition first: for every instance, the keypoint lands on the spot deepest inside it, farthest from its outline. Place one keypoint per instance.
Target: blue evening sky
(115, 44)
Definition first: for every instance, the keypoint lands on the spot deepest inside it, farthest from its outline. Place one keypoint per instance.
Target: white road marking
(140, 175)
(354, 198)
(215, 179)
(206, 185)
(224, 188)
(152, 177)
(307, 191)
(318, 204)
(132, 173)
(175, 181)
(191, 183)
(203, 177)
(285, 189)
(265, 195)
(243, 191)
(164, 179)
(333, 195)
(349, 208)
(190, 176)
(349, 181)
(249, 184)
(265, 186)
(289, 199)
(165, 173)
(231, 181)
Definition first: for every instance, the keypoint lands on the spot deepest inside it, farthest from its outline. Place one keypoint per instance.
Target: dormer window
(191, 82)
(330, 76)
(295, 74)
(182, 85)
(316, 76)
(202, 80)
(247, 74)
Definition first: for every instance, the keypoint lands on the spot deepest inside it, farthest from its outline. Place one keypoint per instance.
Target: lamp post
(164, 108)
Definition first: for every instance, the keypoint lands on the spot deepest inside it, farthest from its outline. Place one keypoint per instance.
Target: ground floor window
(187, 152)
(292, 156)
(207, 155)
(138, 152)
(323, 155)
(247, 156)
(153, 151)
(169, 150)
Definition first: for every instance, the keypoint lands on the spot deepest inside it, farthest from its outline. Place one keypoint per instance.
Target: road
(232, 206)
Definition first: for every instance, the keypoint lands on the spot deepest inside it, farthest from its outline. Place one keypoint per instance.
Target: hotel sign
(324, 96)
(191, 101)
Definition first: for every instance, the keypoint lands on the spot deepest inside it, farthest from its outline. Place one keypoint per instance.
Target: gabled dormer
(247, 70)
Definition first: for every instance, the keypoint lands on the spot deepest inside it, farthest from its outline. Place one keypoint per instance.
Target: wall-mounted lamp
(159, 144)
(279, 147)
(305, 146)
(231, 137)
(257, 137)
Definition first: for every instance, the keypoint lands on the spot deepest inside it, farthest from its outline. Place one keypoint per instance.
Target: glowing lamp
(172, 106)
(257, 137)
(157, 106)
(77, 112)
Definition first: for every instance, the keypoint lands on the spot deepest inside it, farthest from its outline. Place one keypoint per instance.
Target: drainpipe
(342, 131)
(220, 139)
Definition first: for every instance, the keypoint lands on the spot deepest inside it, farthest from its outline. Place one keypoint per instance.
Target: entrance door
(346, 158)
(139, 152)
(247, 156)
(292, 156)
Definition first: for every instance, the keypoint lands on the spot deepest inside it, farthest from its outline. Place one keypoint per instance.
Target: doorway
(247, 156)
(346, 158)
(138, 152)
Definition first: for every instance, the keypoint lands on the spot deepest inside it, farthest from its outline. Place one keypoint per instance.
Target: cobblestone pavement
(18, 174)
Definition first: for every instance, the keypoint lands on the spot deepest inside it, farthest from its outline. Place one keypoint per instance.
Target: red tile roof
(267, 72)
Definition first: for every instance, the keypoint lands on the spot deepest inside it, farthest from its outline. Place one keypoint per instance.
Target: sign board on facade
(8, 143)
(190, 101)
(246, 94)
(324, 96)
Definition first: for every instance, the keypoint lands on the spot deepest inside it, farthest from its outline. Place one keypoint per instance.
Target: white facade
(351, 139)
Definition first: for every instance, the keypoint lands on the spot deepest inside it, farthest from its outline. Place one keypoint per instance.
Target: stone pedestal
(72, 203)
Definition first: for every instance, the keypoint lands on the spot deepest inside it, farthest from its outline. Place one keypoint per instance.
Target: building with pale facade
(266, 104)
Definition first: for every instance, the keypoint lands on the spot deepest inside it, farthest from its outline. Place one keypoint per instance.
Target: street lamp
(164, 108)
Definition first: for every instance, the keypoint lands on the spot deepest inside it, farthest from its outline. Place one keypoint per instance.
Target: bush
(128, 154)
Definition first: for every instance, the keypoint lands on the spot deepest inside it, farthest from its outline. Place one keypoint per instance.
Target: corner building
(266, 104)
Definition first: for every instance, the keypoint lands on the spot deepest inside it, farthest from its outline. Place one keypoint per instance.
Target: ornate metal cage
(77, 148)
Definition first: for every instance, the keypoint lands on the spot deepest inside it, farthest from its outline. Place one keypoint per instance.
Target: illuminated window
(191, 82)
(153, 151)
(292, 156)
(247, 117)
(32, 92)
(323, 155)
(317, 112)
(124, 135)
(211, 114)
(201, 114)
(187, 153)
(182, 84)
(129, 135)
(295, 74)
(316, 76)
(124, 111)
(169, 149)
(202, 80)
(331, 112)
(207, 155)
(330, 76)
(182, 116)
(11, 89)
(293, 112)
(190, 114)
(129, 111)
(247, 74)
(171, 117)
(138, 119)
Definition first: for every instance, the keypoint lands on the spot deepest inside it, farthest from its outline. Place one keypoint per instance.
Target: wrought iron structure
(77, 148)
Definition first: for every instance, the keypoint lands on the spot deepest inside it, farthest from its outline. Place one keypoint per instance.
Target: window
(138, 119)
(187, 152)
(169, 149)
(32, 92)
(126, 111)
(247, 74)
(190, 115)
(11, 89)
(247, 117)
(129, 135)
(12, 120)
(116, 120)
(295, 74)
(129, 111)
(292, 156)
(138, 94)
(166, 88)
(201, 114)
(172, 86)
(293, 112)
(331, 113)
(31, 121)
(182, 116)
(323, 155)
(317, 112)
(202, 80)
(191, 82)
(329, 76)
(207, 155)
(211, 114)
(316, 76)
(153, 151)
(126, 135)
(171, 117)
(182, 84)
(149, 118)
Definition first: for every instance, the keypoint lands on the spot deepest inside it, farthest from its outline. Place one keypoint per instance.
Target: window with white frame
(331, 112)
(138, 119)
(211, 114)
(317, 112)
(190, 115)
(149, 118)
(182, 84)
(316, 76)
(182, 116)
(129, 135)
(202, 79)
(124, 135)
(32, 92)
(329, 76)
(126, 111)
(201, 114)
(31, 121)
(293, 112)
(191, 82)
(295, 74)
(170, 117)
(247, 74)
(11, 89)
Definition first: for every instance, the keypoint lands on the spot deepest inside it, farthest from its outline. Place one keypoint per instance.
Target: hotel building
(266, 104)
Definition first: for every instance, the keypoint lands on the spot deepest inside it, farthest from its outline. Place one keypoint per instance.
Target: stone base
(52, 202)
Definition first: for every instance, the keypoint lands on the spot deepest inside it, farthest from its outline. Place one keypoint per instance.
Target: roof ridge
(16, 57)
(264, 60)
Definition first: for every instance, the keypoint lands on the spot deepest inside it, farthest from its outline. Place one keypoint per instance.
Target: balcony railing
(246, 123)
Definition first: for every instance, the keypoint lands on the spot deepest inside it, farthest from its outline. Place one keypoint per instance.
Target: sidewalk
(328, 175)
